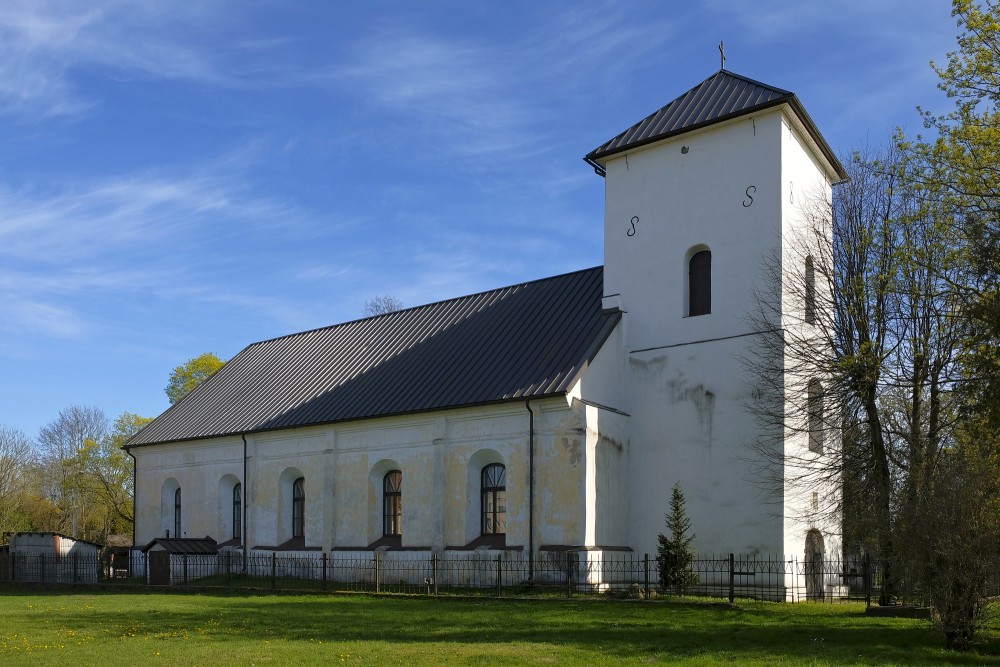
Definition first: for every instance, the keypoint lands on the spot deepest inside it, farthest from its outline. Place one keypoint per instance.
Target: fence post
(867, 579)
(569, 574)
(499, 566)
(274, 568)
(434, 571)
(41, 558)
(645, 573)
(324, 570)
(184, 563)
(229, 568)
(76, 569)
(378, 572)
(732, 579)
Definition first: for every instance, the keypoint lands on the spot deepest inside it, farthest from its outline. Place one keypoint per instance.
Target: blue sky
(177, 178)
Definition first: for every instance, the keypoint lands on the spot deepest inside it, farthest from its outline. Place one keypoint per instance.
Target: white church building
(555, 414)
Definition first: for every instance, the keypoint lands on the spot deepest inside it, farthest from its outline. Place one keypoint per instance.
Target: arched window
(816, 417)
(238, 511)
(177, 513)
(392, 503)
(494, 499)
(810, 291)
(298, 507)
(700, 283)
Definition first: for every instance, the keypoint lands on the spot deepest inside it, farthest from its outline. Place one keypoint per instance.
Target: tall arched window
(700, 283)
(494, 499)
(810, 291)
(177, 513)
(298, 507)
(816, 417)
(238, 511)
(392, 503)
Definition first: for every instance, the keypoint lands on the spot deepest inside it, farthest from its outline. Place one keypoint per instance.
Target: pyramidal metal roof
(719, 98)
(524, 341)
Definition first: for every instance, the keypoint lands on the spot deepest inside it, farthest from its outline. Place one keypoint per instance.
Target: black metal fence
(560, 573)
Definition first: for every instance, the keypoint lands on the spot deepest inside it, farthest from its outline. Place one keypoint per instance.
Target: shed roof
(720, 97)
(184, 545)
(49, 533)
(524, 341)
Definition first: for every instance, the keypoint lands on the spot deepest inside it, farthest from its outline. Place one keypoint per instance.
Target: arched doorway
(814, 565)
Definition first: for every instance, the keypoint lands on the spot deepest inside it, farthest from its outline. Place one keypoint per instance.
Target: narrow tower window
(810, 291)
(816, 417)
(700, 283)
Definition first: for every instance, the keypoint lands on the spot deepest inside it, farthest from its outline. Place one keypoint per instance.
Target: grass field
(74, 630)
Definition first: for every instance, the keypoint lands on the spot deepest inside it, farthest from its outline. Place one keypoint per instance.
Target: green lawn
(71, 629)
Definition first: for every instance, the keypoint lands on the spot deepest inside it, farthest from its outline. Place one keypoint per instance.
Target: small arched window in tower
(810, 285)
(238, 511)
(494, 499)
(299, 507)
(700, 283)
(177, 513)
(816, 418)
(392, 503)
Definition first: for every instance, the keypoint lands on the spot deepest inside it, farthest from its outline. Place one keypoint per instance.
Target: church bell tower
(700, 195)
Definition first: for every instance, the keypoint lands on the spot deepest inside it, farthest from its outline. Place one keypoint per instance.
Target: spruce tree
(674, 554)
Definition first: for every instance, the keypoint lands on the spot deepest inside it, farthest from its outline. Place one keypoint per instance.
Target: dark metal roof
(720, 97)
(184, 545)
(527, 340)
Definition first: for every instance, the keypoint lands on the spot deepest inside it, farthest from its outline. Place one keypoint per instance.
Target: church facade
(551, 415)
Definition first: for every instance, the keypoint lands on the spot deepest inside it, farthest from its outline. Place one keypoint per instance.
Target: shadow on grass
(792, 633)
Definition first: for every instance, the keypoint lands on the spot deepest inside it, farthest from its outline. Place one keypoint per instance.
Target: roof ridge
(695, 108)
(421, 306)
(755, 82)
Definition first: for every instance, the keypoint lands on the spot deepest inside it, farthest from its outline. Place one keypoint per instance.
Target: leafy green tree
(185, 378)
(953, 548)
(674, 554)
(954, 532)
(108, 472)
(957, 171)
(16, 459)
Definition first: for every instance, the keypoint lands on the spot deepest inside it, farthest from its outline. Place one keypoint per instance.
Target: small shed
(53, 557)
(161, 554)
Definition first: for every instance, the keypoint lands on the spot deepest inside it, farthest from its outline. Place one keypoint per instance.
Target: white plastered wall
(725, 189)
(812, 495)
(343, 466)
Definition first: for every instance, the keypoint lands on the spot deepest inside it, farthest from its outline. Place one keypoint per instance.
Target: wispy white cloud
(25, 316)
(43, 42)
(152, 235)
(123, 214)
(481, 98)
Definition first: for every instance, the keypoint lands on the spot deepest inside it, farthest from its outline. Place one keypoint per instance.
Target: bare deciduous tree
(382, 304)
(855, 355)
(60, 443)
